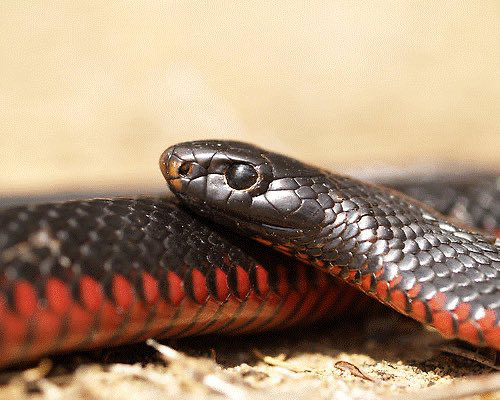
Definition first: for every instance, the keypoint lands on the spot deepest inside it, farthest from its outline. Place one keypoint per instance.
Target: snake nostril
(186, 168)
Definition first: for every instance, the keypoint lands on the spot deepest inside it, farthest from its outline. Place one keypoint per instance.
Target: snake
(99, 272)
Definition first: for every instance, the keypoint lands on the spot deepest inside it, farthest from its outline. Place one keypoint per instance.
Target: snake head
(245, 187)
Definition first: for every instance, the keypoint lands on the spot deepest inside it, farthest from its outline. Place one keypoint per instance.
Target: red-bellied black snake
(92, 273)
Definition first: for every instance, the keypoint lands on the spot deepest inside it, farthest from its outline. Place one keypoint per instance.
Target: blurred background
(91, 92)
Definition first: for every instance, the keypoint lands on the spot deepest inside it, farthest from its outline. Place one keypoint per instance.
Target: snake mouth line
(265, 229)
(242, 223)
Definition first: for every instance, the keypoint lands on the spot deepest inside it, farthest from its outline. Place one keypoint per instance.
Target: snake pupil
(241, 176)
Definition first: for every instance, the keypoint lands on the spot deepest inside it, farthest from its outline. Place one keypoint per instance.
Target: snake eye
(241, 176)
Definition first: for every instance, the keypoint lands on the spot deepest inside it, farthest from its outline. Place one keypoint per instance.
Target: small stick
(279, 362)
(353, 369)
(470, 355)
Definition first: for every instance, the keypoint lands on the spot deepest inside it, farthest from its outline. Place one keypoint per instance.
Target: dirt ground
(384, 356)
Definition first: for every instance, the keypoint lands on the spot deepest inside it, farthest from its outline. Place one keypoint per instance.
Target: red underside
(450, 323)
(33, 329)
(57, 324)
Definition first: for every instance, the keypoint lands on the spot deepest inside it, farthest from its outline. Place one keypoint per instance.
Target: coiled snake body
(84, 274)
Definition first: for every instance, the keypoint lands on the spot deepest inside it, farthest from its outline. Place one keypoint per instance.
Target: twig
(279, 362)
(206, 373)
(167, 352)
(353, 369)
(470, 355)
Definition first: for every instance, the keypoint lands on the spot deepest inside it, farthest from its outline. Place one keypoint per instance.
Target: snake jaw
(197, 173)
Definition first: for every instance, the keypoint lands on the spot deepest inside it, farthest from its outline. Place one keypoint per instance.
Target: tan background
(92, 92)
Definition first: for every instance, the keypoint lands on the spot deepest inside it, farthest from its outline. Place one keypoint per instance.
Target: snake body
(101, 272)
(390, 246)
(86, 274)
